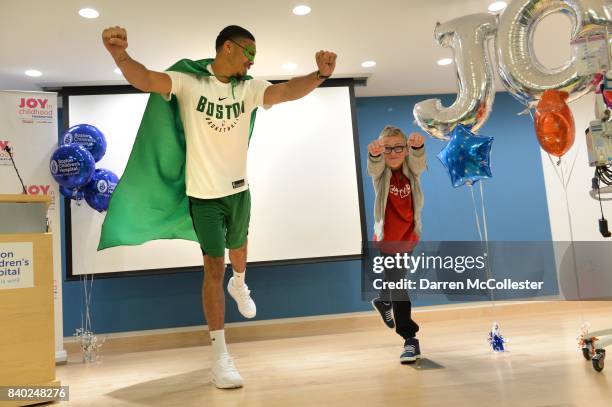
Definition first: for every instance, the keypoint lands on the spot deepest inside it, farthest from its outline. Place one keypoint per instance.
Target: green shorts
(221, 222)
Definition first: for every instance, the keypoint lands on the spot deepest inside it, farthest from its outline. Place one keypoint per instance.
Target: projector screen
(303, 171)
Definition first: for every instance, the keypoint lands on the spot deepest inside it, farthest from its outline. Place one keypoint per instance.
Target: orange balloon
(554, 123)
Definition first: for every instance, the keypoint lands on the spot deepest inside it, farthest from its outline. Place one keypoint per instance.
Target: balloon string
(89, 295)
(476, 212)
(86, 319)
(483, 238)
(524, 112)
(89, 303)
(84, 293)
(554, 166)
(486, 234)
(572, 244)
(569, 177)
(484, 216)
(82, 305)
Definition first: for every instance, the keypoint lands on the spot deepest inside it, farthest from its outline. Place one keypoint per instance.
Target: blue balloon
(89, 137)
(466, 156)
(72, 166)
(99, 190)
(72, 193)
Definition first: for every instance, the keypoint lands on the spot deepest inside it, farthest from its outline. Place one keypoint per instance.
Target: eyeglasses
(248, 51)
(395, 149)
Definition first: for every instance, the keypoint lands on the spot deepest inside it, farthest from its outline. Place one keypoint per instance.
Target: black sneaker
(385, 308)
(412, 351)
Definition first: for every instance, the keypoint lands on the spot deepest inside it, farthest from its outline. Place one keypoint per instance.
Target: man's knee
(214, 268)
(241, 249)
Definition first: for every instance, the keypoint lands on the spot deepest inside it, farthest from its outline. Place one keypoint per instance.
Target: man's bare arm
(115, 41)
(301, 86)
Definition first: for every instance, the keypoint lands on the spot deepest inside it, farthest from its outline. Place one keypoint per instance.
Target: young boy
(395, 163)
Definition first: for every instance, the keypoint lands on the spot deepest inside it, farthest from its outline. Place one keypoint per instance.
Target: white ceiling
(51, 37)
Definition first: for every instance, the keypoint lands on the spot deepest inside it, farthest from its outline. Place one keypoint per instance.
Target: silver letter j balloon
(468, 36)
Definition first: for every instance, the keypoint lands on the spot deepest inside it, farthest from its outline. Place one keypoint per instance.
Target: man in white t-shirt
(216, 113)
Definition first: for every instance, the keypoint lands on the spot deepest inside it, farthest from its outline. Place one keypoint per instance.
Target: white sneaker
(224, 373)
(242, 295)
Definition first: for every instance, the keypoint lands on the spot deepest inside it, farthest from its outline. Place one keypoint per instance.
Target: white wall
(593, 264)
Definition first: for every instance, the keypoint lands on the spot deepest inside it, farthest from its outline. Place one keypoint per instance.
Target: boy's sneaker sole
(409, 360)
(385, 314)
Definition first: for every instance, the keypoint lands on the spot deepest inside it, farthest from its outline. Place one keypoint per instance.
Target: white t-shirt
(216, 128)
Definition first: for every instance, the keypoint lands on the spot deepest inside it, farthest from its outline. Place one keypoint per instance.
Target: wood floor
(542, 368)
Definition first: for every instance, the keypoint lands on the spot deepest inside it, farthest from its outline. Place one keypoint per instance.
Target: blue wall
(516, 210)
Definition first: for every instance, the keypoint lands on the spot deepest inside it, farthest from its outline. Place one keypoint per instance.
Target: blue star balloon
(466, 157)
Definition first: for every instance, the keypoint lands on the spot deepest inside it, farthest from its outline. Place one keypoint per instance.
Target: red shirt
(399, 213)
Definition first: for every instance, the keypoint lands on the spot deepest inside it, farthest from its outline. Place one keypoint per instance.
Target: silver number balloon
(595, 15)
(520, 70)
(468, 36)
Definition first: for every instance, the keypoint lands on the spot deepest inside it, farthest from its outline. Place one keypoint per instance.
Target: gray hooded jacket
(414, 164)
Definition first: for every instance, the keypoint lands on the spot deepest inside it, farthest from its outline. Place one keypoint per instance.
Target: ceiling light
(445, 61)
(301, 10)
(497, 6)
(33, 72)
(368, 64)
(89, 13)
(289, 66)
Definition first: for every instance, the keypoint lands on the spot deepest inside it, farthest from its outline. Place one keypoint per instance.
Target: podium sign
(16, 265)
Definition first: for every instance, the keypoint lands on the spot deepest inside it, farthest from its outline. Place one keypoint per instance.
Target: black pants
(402, 307)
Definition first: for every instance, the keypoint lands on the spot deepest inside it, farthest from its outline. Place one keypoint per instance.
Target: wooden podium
(27, 342)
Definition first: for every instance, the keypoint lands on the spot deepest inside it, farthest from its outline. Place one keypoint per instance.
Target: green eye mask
(249, 51)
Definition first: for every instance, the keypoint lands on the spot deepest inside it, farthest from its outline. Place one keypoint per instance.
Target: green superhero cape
(150, 201)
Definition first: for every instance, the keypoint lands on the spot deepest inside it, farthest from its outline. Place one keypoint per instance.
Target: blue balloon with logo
(75, 194)
(89, 137)
(72, 166)
(99, 190)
